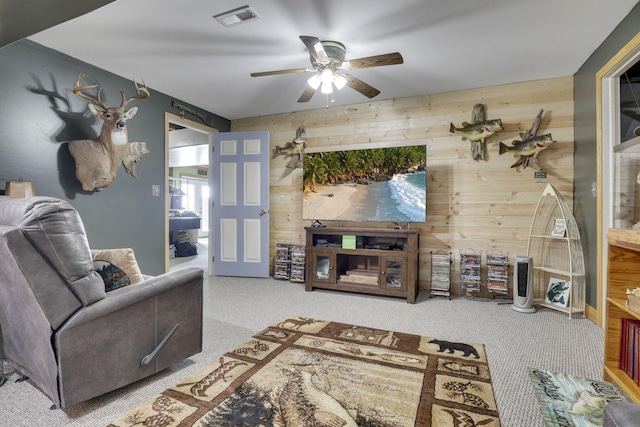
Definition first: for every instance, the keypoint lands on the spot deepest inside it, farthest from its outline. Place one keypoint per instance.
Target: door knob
(263, 212)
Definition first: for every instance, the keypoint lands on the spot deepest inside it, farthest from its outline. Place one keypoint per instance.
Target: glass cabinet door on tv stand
(393, 273)
(323, 267)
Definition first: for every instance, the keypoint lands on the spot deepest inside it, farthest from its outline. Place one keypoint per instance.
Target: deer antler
(78, 90)
(141, 92)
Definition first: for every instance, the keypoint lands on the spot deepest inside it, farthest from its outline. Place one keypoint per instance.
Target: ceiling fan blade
(307, 94)
(316, 50)
(273, 73)
(374, 61)
(360, 86)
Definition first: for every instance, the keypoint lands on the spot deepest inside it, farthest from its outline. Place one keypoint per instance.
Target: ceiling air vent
(237, 16)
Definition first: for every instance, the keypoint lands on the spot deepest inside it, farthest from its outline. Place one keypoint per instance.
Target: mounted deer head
(98, 160)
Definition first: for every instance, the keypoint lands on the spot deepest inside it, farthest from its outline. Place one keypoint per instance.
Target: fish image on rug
(458, 367)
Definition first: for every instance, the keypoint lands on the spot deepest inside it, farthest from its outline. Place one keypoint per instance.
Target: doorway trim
(607, 133)
(172, 118)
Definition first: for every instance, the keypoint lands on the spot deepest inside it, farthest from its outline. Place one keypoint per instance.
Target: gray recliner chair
(62, 330)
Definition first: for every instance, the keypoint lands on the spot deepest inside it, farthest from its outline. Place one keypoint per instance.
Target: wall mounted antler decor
(97, 160)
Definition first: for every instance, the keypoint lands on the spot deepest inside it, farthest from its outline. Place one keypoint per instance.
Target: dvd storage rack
(497, 273)
(440, 274)
(470, 272)
(282, 269)
(298, 261)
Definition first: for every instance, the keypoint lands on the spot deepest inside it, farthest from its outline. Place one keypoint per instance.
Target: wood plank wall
(483, 205)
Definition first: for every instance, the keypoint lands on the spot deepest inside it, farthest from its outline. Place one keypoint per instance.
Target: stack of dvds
(297, 263)
(470, 272)
(282, 262)
(498, 274)
(440, 274)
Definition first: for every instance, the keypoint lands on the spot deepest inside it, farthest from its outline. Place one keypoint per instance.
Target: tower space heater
(523, 285)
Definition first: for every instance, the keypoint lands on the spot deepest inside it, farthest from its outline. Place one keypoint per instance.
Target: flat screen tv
(375, 184)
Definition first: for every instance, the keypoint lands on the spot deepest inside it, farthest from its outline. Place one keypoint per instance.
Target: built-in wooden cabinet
(372, 261)
(623, 272)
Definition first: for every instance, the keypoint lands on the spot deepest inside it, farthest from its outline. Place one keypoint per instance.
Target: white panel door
(241, 204)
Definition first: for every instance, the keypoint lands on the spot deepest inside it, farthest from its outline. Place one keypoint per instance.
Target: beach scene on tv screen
(378, 184)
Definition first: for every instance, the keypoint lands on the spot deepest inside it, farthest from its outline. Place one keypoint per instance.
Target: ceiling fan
(327, 58)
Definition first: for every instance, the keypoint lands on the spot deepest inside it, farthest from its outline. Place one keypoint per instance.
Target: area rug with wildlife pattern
(306, 372)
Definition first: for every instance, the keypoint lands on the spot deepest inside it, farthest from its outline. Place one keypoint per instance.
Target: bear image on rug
(466, 349)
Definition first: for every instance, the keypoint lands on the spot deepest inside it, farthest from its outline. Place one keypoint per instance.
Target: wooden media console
(372, 261)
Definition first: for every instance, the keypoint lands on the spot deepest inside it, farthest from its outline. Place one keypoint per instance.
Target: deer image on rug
(97, 160)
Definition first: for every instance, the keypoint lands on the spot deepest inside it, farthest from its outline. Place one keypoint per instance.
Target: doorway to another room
(189, 233)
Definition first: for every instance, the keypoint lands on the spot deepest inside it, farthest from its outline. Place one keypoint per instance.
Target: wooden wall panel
(484, 205)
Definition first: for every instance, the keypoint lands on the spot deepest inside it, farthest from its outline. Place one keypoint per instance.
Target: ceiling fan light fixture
(327, 76)
(315, 81)
(326, 87)
(327, 57)
(339, 81)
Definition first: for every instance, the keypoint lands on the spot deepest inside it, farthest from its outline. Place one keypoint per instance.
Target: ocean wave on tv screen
(409, 191)
(402, 199)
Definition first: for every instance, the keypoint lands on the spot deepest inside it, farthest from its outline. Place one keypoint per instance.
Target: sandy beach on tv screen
(336, 202)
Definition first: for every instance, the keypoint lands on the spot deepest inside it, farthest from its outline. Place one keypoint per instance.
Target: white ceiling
(447, 45)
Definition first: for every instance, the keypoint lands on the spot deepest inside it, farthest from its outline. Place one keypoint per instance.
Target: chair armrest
(132, 294)
(621, 414)
(100, 347)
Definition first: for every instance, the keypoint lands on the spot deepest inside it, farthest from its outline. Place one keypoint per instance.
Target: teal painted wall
(585, 155)
(39, 114)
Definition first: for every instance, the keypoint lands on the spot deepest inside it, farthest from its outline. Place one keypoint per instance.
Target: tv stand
(372, 261)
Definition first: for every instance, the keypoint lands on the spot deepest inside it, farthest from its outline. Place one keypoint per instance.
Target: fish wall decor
(529, 147)
(477, 131)
(293, 149)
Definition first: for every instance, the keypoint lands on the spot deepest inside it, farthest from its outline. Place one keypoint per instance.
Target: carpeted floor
(237, 308)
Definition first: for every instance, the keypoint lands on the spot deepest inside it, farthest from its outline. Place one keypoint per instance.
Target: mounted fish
(528, 149)
(478, 131)
(293, 149)
(531, 145)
